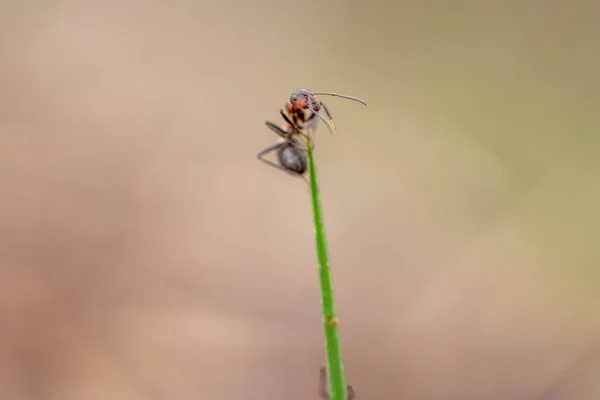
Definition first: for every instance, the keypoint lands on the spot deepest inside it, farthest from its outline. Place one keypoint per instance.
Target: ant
(290, 152)
(323, 383)
(304, 99)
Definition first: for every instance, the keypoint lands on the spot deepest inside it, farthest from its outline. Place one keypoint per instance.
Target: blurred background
(146, 254)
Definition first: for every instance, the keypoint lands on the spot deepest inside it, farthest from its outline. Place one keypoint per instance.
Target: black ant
(323, 384)
(290, 152)
(304, 99)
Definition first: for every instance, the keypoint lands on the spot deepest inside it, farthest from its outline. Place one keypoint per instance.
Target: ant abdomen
(292, 159)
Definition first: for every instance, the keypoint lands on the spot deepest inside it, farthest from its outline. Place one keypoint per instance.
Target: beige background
(146, 254)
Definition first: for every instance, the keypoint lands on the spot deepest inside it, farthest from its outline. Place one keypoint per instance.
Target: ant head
(299, 99)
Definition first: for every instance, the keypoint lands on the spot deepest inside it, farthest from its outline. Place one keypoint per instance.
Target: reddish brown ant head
(299, 100)
(304, 99)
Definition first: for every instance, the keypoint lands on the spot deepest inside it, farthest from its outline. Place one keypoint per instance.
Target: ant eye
(294, 97)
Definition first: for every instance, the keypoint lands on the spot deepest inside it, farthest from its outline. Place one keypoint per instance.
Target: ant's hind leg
(306, 181)
(350, 393)
(276, 146)
(268, 149)
(323, 383)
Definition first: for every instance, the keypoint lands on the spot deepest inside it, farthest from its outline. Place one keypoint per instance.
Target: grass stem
(335, 365)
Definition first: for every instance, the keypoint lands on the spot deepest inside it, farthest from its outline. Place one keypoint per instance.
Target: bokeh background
(146, 254)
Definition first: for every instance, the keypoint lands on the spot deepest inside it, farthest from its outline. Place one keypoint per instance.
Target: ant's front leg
(310, 106)
(324, 120)
(329, 117)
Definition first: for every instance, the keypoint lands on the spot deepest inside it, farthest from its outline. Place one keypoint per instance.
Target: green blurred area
(508, 91)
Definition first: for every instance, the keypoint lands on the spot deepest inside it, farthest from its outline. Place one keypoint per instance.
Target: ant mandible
(323, 383)
(304, 99)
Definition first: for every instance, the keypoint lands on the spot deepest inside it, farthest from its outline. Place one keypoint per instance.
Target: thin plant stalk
(335, 365)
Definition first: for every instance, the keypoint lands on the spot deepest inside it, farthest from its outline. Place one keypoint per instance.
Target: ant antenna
(341, 95)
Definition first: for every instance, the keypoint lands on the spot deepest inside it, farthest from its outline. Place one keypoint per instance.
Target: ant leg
(276, 146)
(329, 116)
(297, 130)
(311, 108)
(300, 147)
(295, 126)
(324, 120)
(306, 181)
(310, 121)
(268, 149)
(322, 384)
(350, 393)
(284, 135)
(289, 121)
(277, 129)
(310, 124)
(307, 137)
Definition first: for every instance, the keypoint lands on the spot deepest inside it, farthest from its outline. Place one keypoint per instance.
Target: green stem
(335, 366)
